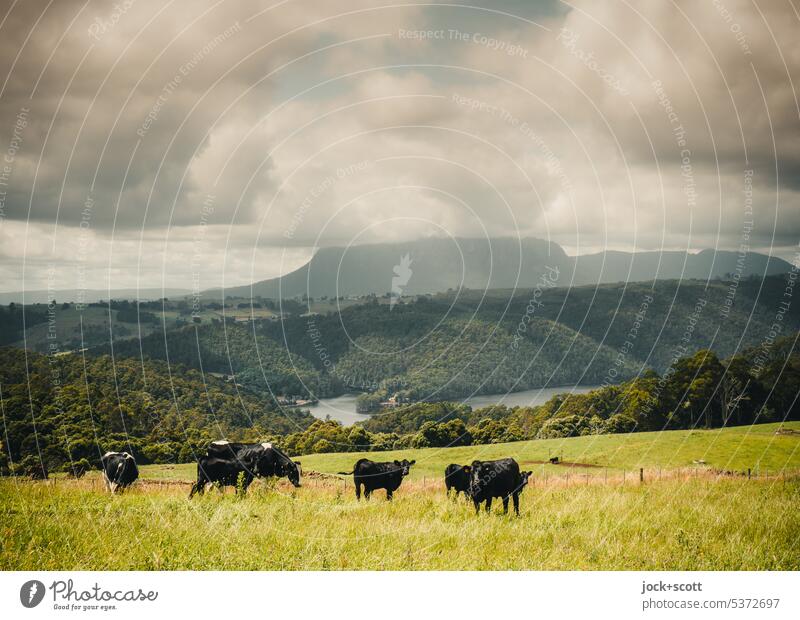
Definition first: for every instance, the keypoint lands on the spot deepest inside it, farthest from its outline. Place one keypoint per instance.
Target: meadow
(592, 513)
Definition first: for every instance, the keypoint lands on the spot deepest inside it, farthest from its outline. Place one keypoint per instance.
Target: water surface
(343, 408)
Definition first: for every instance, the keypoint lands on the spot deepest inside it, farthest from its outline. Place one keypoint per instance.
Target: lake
(343, 408)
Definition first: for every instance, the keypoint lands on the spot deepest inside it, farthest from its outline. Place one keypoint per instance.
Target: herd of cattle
(238, 464)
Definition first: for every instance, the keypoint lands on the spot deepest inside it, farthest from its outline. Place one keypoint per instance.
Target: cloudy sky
(160, 143)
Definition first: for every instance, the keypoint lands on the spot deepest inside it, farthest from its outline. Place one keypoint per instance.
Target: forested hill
(437, 265)
(71, 410)
(453, 345)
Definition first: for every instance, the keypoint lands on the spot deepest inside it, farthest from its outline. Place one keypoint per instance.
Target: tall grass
(704, 523)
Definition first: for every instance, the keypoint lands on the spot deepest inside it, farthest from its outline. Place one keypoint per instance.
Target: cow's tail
(346, 473)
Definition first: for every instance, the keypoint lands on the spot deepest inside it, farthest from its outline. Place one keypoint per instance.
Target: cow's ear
(396, 462)
(412, 462)
(297, 463)
(528, 473)
(467, 469)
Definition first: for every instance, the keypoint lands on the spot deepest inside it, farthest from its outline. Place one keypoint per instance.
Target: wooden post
(641, 475)
(748, 473)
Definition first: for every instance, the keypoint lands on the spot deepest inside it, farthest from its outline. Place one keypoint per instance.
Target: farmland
(591, 513)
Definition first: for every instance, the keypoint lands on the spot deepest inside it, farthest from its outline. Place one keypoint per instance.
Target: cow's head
(523, 477)
(290, 469)
(404, 466)
(479, 475)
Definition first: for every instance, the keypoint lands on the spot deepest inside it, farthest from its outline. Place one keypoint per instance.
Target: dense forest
(64, 412)
(462, 343)
(69, 410)
(761, 384)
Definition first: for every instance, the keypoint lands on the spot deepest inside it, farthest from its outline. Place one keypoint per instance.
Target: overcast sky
(156, 142)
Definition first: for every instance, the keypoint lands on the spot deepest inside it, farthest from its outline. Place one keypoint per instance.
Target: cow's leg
(477, 506)
(106, 481)
(488, 504)
(200, 485)
(358, 489)
(367, 492)
(516, 503)
(389, 494)
(505, 504)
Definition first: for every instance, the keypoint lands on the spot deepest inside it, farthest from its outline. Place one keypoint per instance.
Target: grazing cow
(225, 461)
(554, 460)
(378, 476)
(456, 477)
(119, 470)
(502, 478)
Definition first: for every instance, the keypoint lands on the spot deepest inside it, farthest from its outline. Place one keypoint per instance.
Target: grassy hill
(757, 447)
(684, 522)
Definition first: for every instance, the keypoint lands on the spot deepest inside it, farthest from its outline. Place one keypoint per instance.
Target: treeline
(14, 319)
(699, 391)
(62, 413)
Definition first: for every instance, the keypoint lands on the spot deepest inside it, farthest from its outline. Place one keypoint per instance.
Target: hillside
(757, 447)
(67, 410)
(438, 265)
(453, 345)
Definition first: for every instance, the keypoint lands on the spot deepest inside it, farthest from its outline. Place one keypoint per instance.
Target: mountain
(437, 265)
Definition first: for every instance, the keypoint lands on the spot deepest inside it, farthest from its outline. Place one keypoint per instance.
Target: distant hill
(89, 296)
(437, 265)
(456, 344)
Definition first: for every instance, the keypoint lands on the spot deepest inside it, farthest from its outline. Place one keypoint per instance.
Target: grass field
(691, 518)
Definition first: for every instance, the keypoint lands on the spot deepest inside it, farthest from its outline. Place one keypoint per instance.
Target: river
(343, 408)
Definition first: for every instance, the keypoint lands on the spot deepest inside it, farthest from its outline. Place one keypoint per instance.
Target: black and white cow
(225, 461)
(119, 470)
(456, 477)
(501, 478)
(378, 476)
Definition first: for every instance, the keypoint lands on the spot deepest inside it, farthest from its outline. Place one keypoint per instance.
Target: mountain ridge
(438, 265)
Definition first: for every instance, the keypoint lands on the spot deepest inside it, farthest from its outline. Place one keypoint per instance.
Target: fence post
(641, 475)
(748, 473)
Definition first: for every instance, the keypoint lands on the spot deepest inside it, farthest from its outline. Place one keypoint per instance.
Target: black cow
(378, 476)
(456, 477)
(226, 461)
(119, 470)
(502, 478)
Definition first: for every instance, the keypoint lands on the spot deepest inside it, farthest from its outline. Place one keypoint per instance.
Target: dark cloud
(308, 124)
